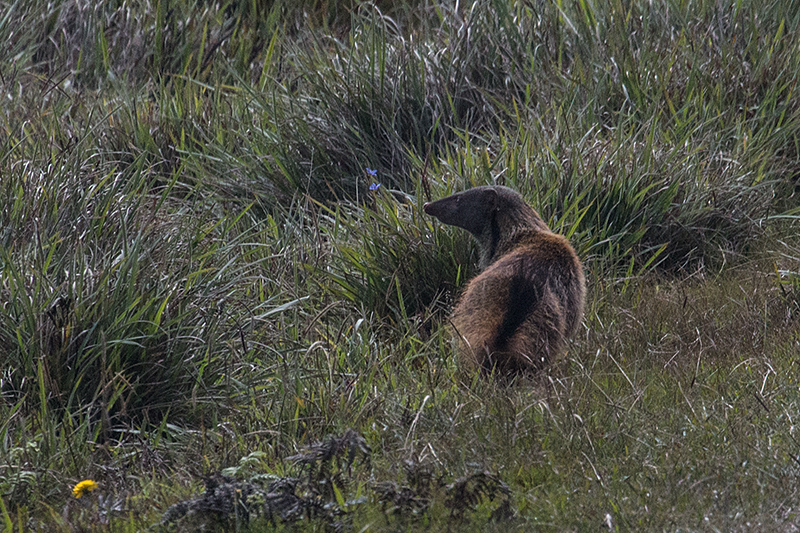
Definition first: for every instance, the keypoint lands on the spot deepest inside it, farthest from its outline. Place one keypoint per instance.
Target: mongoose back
(517, 313)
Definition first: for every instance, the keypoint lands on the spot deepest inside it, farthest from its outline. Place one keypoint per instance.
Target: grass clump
(388, 258)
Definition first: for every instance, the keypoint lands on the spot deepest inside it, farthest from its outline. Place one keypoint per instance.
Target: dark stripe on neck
(494, 239)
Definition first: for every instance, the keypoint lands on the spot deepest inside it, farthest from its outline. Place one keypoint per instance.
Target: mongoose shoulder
(516, 315)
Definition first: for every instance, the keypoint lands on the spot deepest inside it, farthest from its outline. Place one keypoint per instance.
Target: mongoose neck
(508, 228)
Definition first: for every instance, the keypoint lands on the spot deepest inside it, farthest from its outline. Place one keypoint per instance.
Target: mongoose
(516, 314)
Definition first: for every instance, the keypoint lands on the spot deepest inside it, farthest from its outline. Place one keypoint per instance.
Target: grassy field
(214, 261)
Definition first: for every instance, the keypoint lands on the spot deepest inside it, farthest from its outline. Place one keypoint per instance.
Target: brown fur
(515, 315)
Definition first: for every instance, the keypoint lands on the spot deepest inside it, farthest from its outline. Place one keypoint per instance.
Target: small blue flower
(374, 186)
(372, 172)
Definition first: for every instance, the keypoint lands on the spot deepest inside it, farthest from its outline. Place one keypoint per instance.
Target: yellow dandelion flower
(87, 485)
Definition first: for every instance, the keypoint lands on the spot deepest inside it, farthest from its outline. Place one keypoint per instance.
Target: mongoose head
(478, 208)
(472, 209)
(493, 214)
